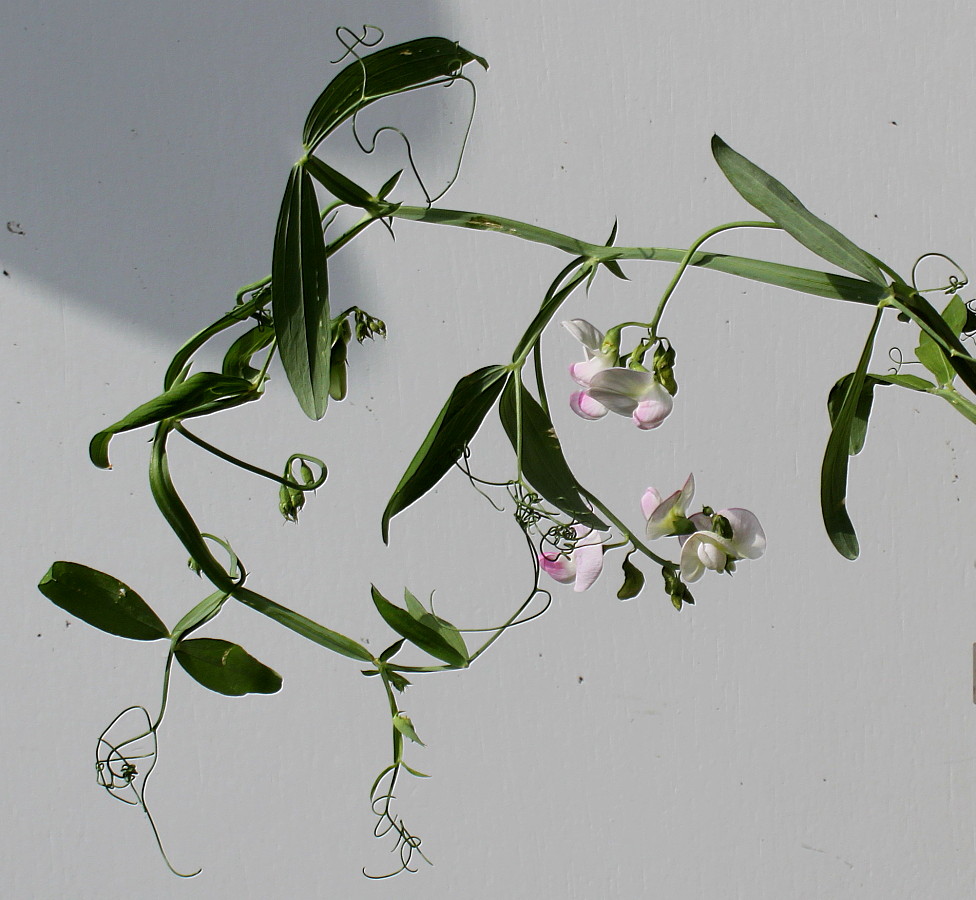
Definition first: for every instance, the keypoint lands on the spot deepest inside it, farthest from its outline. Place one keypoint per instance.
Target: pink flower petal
(558, 566)
(583, 373)
(650, 501)
(586, 407)
(748, 537)
(589, 564)
(651, 413)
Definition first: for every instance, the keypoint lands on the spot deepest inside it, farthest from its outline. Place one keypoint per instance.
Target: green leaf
(338, 364)
(337, 184)
(833, 476)
(452, 431)
(428, 637)
(403, 724)
(920, 311)
(102, 601)
(445, 629)
(767, 195)
(930, 354)
(300, 295)
(543, 463)
(862, 409)
(202, 613)
(912, 382)
(200, 394)
(226, 668)
(237, 359)
(392, 70)
(633, 581)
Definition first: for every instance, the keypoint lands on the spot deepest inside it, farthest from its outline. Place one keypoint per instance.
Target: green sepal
(102, 601)
(428, 632)
(392, 70)
(300, 295)
(225, 668)
(198, 395)
(773, 199)
(543, 463)
(453, 429)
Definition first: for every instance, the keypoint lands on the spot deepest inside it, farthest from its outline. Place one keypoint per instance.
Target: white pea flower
(709, 550)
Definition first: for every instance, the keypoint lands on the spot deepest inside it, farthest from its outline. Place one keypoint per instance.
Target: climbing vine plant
(628, 369)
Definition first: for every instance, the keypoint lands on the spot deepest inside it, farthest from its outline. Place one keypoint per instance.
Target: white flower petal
(704, 549)
(628, 383)
(687, 492)
(691, 566)
(586, 407)
(748, 537)
(589, 336)
(589, 564)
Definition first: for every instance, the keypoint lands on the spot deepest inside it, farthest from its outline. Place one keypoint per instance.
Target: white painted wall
(806, 731)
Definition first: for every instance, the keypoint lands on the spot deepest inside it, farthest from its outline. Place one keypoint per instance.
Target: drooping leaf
(300, 295)
(543, 463)
(237, 359)
(773, 199)
(862, 409)
(430, 639)
(833, 475)
(392, 70)
(453, 429)
(633, 581)
(226, 668)
(200, 394)
(102, 601)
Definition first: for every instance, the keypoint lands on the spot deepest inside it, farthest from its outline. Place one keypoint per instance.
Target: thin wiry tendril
(954, 284)
(117, 771)
(447, 82)
(406, 843)
(357, 40)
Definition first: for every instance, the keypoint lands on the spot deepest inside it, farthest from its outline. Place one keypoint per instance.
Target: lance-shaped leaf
(226, 668)
(543, 463)
(102, 601)
(202, 613)
(428, 632)
(300, 295)
(455, 426)
(200, 394)
(862, 408)
(343, 188)
(392, 70)
(833, 475)
(767, 195)
(930, 354)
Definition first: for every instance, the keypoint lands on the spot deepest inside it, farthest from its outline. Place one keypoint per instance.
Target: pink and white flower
(582, 565)
(609, 387)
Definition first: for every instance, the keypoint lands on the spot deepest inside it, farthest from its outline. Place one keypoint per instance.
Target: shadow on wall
(145, 147)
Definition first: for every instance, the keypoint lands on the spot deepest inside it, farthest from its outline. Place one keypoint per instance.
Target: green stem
(625, 531)
(686, 261)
